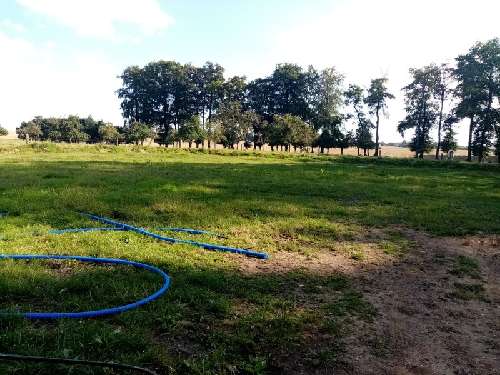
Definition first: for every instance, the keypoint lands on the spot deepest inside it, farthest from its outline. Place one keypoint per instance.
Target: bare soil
(424, 324)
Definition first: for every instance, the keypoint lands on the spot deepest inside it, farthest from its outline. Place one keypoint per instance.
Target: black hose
(78, 362)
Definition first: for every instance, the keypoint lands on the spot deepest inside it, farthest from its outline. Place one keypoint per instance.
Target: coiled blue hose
(95, 313)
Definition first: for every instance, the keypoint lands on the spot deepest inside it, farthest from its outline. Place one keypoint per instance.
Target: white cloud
(37, 80)
(102, 18)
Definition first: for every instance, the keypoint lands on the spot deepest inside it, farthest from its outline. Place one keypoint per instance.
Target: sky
(61, 57)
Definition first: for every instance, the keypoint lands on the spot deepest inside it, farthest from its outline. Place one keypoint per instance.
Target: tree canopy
(303, 108)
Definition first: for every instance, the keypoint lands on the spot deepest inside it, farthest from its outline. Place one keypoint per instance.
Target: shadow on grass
(439, 200)
(212, 321)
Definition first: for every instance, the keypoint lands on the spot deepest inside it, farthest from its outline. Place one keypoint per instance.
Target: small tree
(3, 131)
(166, 135)
(344, 140)
(302, 134)
(109, 134)
(138, 132)
(29, 131)
(233, 124)
(191, 131)
(288, 130)
(71, 130)
(449, 142)
(260, 130)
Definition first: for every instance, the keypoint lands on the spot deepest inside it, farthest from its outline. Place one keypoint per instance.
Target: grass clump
(466, 266)
(469, 292)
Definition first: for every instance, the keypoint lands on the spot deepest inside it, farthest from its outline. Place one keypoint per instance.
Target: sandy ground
(421, 326)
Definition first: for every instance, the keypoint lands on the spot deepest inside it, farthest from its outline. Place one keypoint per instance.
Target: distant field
(375, 264)
(391, 151)
(8, 137)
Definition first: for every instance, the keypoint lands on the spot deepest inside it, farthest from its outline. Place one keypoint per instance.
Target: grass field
(224, 314)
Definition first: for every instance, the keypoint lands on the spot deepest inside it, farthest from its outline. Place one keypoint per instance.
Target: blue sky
(62, 57)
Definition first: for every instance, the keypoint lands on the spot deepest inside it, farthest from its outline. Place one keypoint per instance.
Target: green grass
(469, 292)
(216, 319)
(466, 266)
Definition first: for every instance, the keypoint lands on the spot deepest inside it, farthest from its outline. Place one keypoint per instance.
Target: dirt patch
(434, 315)
(423, 326)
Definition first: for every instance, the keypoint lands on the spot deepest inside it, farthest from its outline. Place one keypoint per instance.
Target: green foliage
(354, 97)
(449, 142)
(233, 124)
(288, 130)
(422, 108)
(468, 292)
(3, 131)
(71, 129)
(466, 266)
(138, 132)
(29, 131)
(478, 79)
(191, 131)
(108, 133)
(376, 100)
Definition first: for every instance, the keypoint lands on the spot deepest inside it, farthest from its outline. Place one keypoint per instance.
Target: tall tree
(442, 90)
(354, 98)
(488, 56)
(478, 79)
(377, 103)
(421, 108)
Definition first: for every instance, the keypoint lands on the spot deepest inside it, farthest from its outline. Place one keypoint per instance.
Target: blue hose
(122, 226)
(76, 230)
(247, 252)
(95, 313)
(191, 231)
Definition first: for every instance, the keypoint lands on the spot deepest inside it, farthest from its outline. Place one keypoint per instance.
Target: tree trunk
(342, 151)
(469, 145)
(438, 147)
(376, 132)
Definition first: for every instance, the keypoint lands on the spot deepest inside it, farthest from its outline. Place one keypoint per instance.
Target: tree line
(74, 129)
(296, 108)
(469, 90)
(292, 108)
